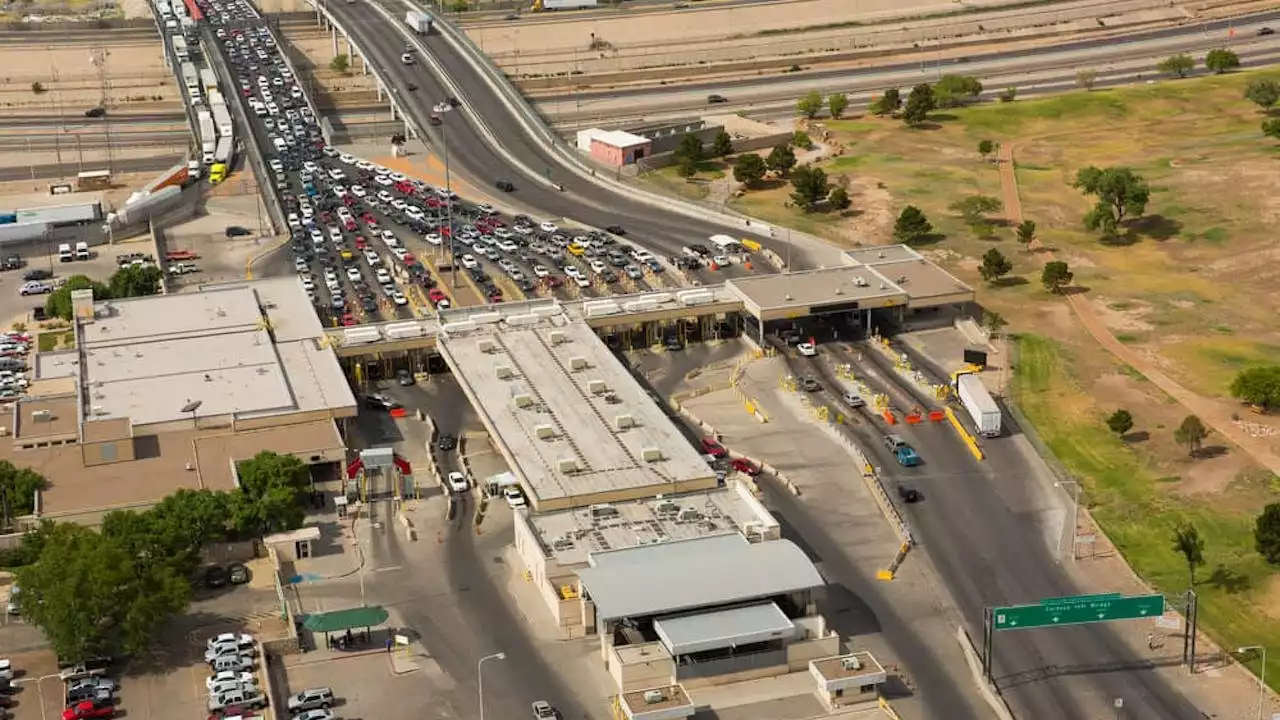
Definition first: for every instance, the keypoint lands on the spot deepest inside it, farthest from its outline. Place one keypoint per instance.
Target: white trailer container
(568, 4)
(975, 398)
(190, 78)
(221, 120)
(226, 146)
(208, 136)
(208, 81)
(180, 50)
(419, 21)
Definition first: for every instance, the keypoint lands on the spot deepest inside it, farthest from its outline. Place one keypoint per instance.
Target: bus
(93, 180)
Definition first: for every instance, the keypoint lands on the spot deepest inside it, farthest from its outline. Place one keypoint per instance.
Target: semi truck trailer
(979, 404)
(418, 21)
(208, 136)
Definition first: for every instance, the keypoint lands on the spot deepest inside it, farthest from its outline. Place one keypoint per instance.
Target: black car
(505, 186)
(37, 275)
(215, 576)
(237, 231)
(716, 99)
(378, 401)
(909, 495)
(616, 230)
(95, 112)
(445, 443)
(404, 378)
(1266, 31)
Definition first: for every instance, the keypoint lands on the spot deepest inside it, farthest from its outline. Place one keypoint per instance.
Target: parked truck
(977, 401)
(176, 176)
(419, 21)
(221, 119)
(226, 146)
(208, 136)
(190, 78)
(563, 4)
(208, 81)
(180, 50)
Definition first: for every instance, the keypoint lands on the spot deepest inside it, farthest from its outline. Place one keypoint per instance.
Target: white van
(82, 251)
(64, 253)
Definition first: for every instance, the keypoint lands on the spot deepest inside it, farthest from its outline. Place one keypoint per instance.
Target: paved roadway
(472, 157)
(69, 169)
(987, 529)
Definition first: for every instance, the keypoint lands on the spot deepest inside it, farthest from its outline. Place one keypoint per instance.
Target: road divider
(967, 437)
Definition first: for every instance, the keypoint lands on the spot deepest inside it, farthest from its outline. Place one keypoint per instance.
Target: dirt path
(1213, 415)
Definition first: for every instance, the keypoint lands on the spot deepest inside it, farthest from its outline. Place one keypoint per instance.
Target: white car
(242, 640)
(372, 258)
(294, 222)
(540, 270)
(807, 349)
(458, 482)
(722, 260)
(469, 262)
(300, 265)
(353, 274)
(513, 496)
(359, 191)
(225, 686)
(547, 226)
(433, 239)
(582, 282)
(316, 714)
(399, 299)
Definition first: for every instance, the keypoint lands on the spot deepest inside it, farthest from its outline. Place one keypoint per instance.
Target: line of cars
(232, 685)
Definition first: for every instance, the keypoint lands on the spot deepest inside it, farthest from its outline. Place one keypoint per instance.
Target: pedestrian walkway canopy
(342, 620)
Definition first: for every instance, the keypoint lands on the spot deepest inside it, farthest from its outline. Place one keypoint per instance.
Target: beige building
(171, 391)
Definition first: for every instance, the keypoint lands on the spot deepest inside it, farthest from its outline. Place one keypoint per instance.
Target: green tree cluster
(1256, 386)
(132, 281)
(912, 226)
(920, 103)
(810, 186)
(1266, 533)
(1263, 93)
(1121, 193)
(974, 210)
(1220, 61)
(837, 104)
(994, 265)
(781, 159)
(1180, 65)
(1188, 543)
(18, 487)
(1271, 128)
(952, 91)
(810, 105)
(109, 590)
(1120, 422)
(749, 169)
(1056, 275)
(722, 145)
(1026, 232)
(1191, 433)
(688, 154)
(888, 103)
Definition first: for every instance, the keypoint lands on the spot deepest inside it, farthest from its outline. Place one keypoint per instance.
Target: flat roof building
(555, 545)
(573, 424)
(170, 391)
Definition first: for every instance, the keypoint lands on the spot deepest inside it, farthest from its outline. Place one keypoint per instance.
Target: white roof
(620, 138)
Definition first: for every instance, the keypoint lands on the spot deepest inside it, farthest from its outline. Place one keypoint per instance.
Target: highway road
(472, 157)
(70, 169)
(986, 527)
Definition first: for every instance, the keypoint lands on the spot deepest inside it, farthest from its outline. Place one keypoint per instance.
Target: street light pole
(448, 208)
(480, 676)
(1262, 675)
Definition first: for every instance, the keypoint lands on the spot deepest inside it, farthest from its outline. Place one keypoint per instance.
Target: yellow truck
(217, 173)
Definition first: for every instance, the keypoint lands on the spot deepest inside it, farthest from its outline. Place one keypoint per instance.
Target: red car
(433, 202)
(87, 710)
(361, 243)
(404, 187)
(553, 281)
(349, 224)
(713, 448)
(745, 467)
(435, 295)
(348, 320)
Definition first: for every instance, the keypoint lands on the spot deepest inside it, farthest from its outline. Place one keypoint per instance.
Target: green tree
(1256, 386)
(919, 104)
(1085, 79)
(1026, 232)
(1220, 61)
(993, 321)
(1055, 276)
(810, 186)
(888, 103)
(1263, 93)
(270, 496)
(91, 596)
(1266, 534)
(1271, 128)
(1191, 433)
(59, 302)
(135, 281)
(1120, 193)
(810, 105)
(801, 139)
(690, 149)
(340, 63)
(722, 145)
(1188, 543)
(956, 90)
(974, 210)
(749, 169)
(1120, 422)
(986, 147)
(994, 265)
(836, 104)
(686, 168)
(839, 199)
(1179, 65)
(781, 159)
(911, 226)
(18, 488)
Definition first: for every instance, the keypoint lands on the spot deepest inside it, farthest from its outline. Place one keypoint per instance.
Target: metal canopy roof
(690, 574)
(349, 619)
(725, 628)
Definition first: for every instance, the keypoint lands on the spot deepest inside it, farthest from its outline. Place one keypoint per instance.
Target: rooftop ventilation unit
(597, 386)
(544, 432)
(652, 697)
(689, 514)
(651, 454)
(504, 372)
(622, 422)
(41, 416)
(558, 337)
(487, 346)
(850, 663)
(577, 362)
(567, 465)
(603, 511)
(667, 507)
(522, 400)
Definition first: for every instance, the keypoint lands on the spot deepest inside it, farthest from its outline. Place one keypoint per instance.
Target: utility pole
(99, 59)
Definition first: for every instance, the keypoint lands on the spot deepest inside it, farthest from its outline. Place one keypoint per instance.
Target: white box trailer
(180, 50)
(208, 136)
(226, 146)
(982, 408)
(208, 81)
(418, 21)
(222, 120)
(190, 78)
(566, 4)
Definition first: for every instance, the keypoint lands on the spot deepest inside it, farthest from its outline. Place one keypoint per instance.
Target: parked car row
(87, 691)
(311, 704)
(233, 686)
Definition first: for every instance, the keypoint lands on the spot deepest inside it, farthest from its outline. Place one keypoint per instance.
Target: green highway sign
(1077, 610)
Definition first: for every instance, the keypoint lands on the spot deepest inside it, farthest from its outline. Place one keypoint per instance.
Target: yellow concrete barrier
(888, 709)
(969, 441)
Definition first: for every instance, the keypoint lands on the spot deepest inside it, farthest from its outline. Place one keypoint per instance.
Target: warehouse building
(172, 391)
(614, 148)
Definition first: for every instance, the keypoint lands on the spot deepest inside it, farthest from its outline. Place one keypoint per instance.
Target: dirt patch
(1128, 316)
(873, 216)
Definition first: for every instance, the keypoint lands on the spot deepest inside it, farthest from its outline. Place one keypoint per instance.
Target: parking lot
(374, 244)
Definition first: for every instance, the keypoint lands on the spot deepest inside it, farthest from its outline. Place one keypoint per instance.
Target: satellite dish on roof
(192, 406)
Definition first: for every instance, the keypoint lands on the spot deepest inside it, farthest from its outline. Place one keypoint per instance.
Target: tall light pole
(480, 676)
(1262, 675)
(1075, 515)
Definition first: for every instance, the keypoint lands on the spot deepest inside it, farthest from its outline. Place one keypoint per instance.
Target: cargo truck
(226, 146)
(418, 21)
(977, 401)
(180, 50)
(208, 81)
(563, 4)
(222, 120)
(190, 78)
(176, 176)
(208, 136)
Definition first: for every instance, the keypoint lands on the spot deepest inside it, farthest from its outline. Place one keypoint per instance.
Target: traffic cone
(715, 266)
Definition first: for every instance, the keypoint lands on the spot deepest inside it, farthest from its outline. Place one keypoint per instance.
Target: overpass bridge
(892, 279)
